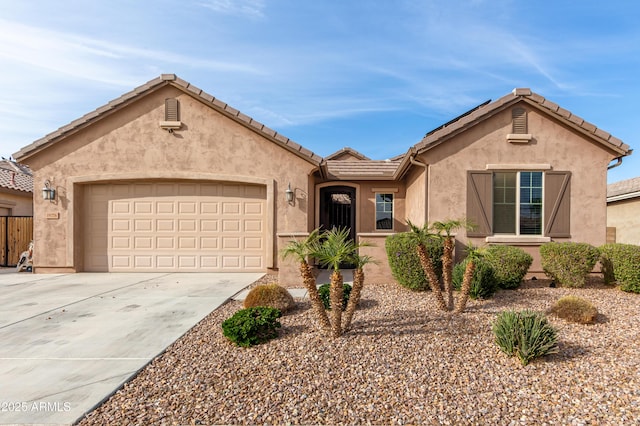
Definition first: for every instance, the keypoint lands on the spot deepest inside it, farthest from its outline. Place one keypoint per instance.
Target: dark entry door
(338, 208)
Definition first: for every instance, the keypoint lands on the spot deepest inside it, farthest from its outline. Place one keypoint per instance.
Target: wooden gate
(16, 232)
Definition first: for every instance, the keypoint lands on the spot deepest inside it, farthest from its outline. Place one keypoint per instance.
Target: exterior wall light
(48, 193)
(288, 193)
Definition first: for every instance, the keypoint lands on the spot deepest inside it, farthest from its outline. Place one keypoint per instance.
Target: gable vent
(519, 116)
(171, 112)
(171, 115)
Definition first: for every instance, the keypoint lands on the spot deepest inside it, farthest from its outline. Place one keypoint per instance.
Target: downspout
(426, 184)
(613, 166)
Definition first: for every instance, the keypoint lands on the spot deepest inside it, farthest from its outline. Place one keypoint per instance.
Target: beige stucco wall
(624, 215)
(552, 143)
(19, 203)
(130, 145)
(416, 204)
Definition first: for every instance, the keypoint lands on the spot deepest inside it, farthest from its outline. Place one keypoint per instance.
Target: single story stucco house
(623, 211)
(169, 178)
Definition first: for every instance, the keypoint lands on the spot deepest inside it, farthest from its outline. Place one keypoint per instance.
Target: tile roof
(155, 84)
(15, 176)
(477, 114)
(623, 190)
(346, 152)
(367, 169)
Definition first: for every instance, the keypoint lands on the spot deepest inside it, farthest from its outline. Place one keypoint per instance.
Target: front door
(338, 209)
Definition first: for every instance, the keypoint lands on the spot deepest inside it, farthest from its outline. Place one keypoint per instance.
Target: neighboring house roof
(476, 115)
(15, 176)
(151, 86)
(347, 153)
(623, 190)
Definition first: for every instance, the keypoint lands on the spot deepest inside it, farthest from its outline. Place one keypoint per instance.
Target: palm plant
(473, 254)
(445, 229)
(358, 283)
(301, 250)
(336, 248)
(421, 235)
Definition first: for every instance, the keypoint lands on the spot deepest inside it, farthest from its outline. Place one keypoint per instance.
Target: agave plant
(421, 235)
(301, 250)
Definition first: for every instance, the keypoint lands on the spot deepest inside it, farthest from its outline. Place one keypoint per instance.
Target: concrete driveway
(69, 341)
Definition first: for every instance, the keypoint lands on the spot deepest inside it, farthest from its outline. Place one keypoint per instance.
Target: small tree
(358, 283)
(336, 249)
(421, 235)
(301, 250)
(445, 230)
(473, 254)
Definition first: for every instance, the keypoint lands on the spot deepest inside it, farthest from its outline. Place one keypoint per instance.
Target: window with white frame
(517, 203)
(384, 211)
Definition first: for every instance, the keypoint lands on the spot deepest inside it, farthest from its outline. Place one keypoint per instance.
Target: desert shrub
(510, 264)
(252, 326)
(325, 290)
(525, 334)
(568, 263)
(484, 282)
(621, 263)
(575, 309)
(271, 295)
(405, 264)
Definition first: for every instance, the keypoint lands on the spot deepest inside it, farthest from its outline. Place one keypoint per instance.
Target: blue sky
(372, 75)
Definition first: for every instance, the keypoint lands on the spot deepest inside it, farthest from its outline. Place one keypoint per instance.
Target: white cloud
(248, 8)
(96, 60)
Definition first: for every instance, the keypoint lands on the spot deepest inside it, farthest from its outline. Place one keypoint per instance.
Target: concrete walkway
(69, 341)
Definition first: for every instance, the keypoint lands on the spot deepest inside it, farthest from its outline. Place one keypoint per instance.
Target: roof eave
(622, 197)
(153, 85)
(582, 126)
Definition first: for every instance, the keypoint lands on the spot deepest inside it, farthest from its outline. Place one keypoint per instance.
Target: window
(517, 203)
(384, 211)
(526, 203)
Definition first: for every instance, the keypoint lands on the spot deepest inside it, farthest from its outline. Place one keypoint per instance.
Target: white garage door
(177, 227)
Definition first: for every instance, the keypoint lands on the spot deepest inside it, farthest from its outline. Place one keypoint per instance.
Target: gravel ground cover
(403, 362)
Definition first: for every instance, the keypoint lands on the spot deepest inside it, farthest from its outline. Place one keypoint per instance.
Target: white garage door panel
(175, 227)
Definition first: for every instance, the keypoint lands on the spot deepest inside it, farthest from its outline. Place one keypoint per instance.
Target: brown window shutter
(480, 203)
(171, 110)
(519, 118)
(557, 204)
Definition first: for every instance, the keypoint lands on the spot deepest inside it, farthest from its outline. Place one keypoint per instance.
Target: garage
(174, 227)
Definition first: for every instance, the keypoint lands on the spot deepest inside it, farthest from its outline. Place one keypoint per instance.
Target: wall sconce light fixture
(48, 193)
(288, 193)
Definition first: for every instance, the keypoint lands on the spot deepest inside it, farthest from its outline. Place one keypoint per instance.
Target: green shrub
(510, 264)
(568, 263)
(484, 282)
(405, 264)
(525, 334)
(252, 326)
(575, 309)
(271, 295)
(325, 290)
(621, 263)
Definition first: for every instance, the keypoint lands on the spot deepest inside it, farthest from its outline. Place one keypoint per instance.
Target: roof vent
(519, 116)
(171, 115)
(519, 126)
